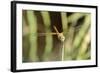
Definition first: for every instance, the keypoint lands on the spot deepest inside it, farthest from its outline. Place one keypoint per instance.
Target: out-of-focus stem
(80, 35)
(74, 17)
(84, 46)
(48, 34)
(64, 22)
(82, 31)
(33, 39)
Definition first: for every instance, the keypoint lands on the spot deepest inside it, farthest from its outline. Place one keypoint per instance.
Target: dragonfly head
(61, 37)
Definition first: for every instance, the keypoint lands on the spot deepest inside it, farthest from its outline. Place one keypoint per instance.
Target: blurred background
(38, 47)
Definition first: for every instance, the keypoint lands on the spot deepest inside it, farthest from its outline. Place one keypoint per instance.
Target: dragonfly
(61, 36)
